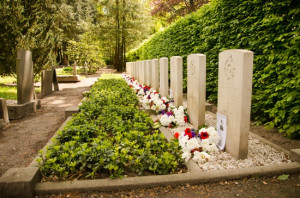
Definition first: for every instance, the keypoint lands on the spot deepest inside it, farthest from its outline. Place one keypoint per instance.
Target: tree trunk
(117, 48)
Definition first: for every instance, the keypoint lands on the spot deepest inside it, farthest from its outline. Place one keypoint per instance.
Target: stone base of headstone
(70, 111)
(19, 182)
(66, 78)
(18, 111)
(295, 155)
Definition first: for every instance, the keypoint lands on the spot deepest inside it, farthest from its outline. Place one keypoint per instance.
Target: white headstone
(149, 73)
(177, 80)
(163, 72)
(196, 88)
(144, 75)
(155, 75)
(140, 71)
(234, 98)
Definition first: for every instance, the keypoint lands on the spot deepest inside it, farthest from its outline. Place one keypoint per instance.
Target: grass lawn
(9, 92)
(62, 72)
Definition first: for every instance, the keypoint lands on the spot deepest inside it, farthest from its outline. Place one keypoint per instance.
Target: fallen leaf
(283, 177)
(265, 182)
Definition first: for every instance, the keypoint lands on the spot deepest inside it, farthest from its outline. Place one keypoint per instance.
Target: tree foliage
(268, 28)
(171, 10)
(122, 24)
(44, 27)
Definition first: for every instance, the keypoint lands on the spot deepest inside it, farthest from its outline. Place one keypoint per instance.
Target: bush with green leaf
(110, 136)
(268, 28)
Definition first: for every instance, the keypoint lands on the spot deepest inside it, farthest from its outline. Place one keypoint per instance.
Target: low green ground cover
(110, 136)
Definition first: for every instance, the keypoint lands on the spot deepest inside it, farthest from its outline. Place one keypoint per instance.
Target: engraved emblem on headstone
(193, 67)
(172, 66)
(229, 68)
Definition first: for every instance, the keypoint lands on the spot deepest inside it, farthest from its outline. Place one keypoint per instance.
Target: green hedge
(110, 136)
(269, 28)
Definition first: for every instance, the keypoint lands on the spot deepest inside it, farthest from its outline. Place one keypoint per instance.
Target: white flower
(201, 156)
(192, 144)
(186, 156)
(165, 120)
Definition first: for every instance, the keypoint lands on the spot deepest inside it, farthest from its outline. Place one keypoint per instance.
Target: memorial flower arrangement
(173, 117)
(198, 145)
(148, 97)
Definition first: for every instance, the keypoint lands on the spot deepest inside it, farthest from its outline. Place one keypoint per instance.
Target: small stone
(237, 195)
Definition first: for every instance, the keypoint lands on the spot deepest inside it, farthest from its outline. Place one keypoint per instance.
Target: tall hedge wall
(269, 28)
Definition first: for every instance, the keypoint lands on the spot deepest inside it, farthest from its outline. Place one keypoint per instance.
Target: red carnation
(176, 135)
(185, 119)
(204, 135)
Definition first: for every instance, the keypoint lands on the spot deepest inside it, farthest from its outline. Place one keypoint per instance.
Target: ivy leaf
(283, 177)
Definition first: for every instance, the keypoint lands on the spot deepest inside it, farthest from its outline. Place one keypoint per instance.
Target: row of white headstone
(234, 90)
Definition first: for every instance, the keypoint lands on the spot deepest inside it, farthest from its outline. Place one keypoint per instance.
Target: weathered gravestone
(176, 80)
(155, 76)
(25, 76)
(163, 72)
(4, 112)
(75, 69)
(196, 88)
(46, 82)
(234, 98)
(25, 103)
(55, 81)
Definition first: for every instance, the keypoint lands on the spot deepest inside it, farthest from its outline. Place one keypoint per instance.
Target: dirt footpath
(21, 141)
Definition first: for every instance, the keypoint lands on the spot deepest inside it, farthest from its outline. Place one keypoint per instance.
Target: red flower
(176, 135)
(131, 86)
(185, 119)
(156, 92)
(164, 102)
(204, 135)
(170, 125)
(188, 132)
(196, 149)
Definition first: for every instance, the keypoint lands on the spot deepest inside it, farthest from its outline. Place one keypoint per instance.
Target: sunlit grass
(10, 93)
(62, 72)
(7, 79)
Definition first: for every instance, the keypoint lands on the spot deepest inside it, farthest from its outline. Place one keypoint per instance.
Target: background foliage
(268, 28)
